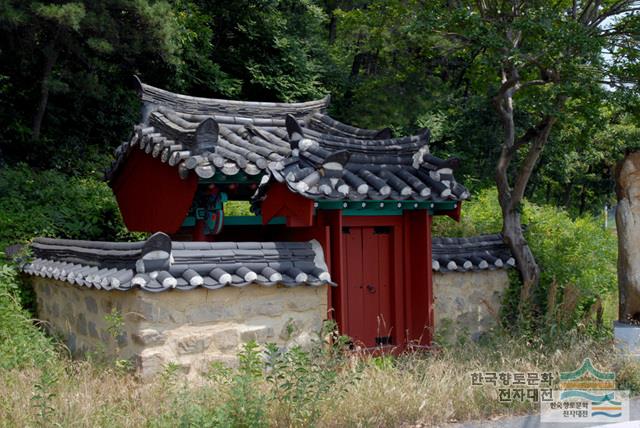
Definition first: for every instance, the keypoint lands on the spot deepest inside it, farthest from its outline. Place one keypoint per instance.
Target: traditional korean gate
(367, 259)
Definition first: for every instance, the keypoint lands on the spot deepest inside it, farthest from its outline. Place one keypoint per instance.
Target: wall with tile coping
(191, 329)
(468, 301)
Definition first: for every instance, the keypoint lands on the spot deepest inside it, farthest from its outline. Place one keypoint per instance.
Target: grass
(429, 389)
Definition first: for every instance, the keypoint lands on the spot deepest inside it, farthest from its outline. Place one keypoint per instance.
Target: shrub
(21, 342)
(49, 203)
(576, 251)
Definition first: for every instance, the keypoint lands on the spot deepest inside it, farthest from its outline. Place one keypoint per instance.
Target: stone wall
(468, 301)
(191, 329)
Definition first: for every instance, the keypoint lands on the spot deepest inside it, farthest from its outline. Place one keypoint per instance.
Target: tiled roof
(296, 143)
(470, 254)
(158, 264)
(329, 167)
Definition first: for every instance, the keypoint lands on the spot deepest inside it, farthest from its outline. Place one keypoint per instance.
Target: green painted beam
(248, 220)
(372, 208)
(238, 220)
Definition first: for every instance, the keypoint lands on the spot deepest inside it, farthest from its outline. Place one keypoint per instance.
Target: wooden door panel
(371, 289)
(367, 259)
(353, 262)
(385, 258)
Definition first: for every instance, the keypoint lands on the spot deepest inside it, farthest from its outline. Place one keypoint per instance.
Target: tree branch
(526, 168)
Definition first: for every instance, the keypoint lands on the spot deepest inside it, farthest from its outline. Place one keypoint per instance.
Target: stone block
(46, 289)
(271, 308)
(55, 309)
(68, 311)
(106, 305)
(81, 324)
(93, 331)
(205, 314)
(150, 362)
(302, 304)
(149, 337)
(91, 304)
(191, 329)
(225, 340)
(193, 343)
(208, 365)
(260, 334)
(290, 329)
(122, 340)
(158, 314)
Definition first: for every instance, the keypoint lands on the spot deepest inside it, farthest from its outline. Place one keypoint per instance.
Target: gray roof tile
(483, 252)
(180, 265)
(208, 135)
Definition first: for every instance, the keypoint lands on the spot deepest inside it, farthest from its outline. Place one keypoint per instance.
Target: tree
(553, 51)
(275, 50)
(525, 58)
(68, 64)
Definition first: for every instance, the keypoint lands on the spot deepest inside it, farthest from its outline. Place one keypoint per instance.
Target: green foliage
(115, 323)
(67, 14)
(48, 203)
(439, 66)
(237, 208)
(576, 251)
(291, 383)
(21, 342)
(44, 393)
(287, 35)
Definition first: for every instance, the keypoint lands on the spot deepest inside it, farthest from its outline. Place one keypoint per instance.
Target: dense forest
(66, 72)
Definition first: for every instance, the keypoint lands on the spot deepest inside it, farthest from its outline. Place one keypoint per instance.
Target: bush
(49, 203)
(576, 251)
(21, 342)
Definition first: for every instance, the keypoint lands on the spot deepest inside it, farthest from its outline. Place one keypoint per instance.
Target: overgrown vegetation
(22, 343)
(574, 253)
(50, 203)
(320, 386)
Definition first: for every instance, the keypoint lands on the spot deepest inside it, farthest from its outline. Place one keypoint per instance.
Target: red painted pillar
(335, 258)
(418, 285)
(198, 231)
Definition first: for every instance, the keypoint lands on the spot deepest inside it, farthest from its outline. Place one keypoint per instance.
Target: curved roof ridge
(187, 103)
(326, 124)
(159, 264)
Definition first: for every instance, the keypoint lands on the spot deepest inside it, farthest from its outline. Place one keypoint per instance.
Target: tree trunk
(333, 28)
(525, 261)
(51, 56)
(628, 227)
(566, 200)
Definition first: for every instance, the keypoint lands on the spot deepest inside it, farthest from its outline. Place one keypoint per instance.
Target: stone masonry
(468, 301)
(190, 329)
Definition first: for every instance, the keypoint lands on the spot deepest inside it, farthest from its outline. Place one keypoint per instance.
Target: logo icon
(586, 395)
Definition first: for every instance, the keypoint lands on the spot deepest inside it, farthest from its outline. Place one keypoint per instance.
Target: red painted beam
(151, 195)
(280, 201)
(454, 213)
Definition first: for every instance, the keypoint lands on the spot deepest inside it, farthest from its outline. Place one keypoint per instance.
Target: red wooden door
(367, 261)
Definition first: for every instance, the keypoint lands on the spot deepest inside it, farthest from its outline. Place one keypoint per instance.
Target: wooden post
(628, 225)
